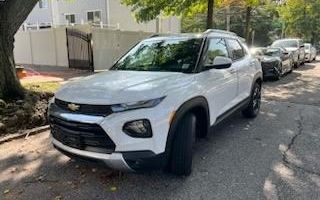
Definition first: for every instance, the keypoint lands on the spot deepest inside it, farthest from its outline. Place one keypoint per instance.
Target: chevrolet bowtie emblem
(73, 107)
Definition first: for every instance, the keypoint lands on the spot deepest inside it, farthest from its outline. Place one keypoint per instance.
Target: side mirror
(285, 53)
(220, 62)
(301, 46)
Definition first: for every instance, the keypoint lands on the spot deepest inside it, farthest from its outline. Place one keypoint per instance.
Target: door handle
(232, 71)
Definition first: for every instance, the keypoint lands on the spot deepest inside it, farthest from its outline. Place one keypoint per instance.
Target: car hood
(291, 49)
(269, 59)
(114, 87)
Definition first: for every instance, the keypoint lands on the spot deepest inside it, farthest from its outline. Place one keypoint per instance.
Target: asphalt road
(275, 156)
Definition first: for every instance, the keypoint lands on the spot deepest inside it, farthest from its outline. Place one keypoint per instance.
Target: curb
(24, 134)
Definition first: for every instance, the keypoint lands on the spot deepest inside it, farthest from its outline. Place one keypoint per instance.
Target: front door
(221, 84)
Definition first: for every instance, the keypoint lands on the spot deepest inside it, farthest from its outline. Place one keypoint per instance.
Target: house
(106, 13)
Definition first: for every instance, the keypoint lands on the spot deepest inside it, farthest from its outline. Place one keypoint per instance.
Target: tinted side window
(216, 47)
(235, 49)
(300, 43)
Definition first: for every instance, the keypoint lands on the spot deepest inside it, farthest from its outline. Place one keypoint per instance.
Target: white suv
(146, 111)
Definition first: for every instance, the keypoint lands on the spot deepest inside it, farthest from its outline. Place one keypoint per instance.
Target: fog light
(139, 128)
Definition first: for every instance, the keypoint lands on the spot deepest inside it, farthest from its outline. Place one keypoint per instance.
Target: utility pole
(253, 35)
(247, 25)
(228, 18)
(283, 32)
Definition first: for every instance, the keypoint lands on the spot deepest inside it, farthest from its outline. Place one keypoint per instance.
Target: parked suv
(295, 46)
(147, 110)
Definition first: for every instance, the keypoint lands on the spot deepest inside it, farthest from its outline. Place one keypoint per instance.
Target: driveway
(275, 156)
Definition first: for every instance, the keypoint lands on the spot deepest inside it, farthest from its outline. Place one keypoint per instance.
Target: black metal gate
(79, 49)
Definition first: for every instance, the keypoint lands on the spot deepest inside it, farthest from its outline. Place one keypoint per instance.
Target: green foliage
(297, 18)
(302, 18)
(264, 22)
(193, 23)
(146, 10)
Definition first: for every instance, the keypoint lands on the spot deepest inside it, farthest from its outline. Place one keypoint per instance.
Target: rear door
(242, 62)
(285, 58)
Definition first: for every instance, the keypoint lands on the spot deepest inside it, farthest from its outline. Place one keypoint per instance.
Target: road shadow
(306, 66)
(301, 86)
(229, 163)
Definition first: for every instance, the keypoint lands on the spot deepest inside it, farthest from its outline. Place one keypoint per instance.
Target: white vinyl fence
(49, 46)
(41, 47)
(109, 45)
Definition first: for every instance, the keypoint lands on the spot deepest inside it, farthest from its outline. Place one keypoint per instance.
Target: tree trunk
(248, 19)
(9, 84)
(210, 14)
(12, 15)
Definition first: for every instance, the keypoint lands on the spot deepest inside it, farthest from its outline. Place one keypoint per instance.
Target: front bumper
(125, 161)
(128, 153)
(114, 160)
(269, 70)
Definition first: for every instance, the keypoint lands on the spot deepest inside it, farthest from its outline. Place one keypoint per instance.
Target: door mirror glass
(219, 62)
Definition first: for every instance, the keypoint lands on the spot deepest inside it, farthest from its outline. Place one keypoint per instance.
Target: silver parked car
(311, 52)
(294, 45)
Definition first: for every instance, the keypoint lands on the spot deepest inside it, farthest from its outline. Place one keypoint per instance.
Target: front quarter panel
(159, 116)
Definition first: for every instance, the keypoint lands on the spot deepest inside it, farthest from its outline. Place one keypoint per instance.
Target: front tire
(181, 154)
(279, 72)
(291, 68)
(252, 110)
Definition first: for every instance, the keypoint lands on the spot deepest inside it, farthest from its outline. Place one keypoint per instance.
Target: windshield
(272, 52)
(285, 43)
(174, 55)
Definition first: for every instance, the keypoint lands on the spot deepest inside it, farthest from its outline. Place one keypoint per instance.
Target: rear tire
(181, 154)
(252, 110)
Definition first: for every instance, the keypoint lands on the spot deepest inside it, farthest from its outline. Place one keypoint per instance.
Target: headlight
(136, 105)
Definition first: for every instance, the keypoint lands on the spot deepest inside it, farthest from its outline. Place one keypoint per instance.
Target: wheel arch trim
(186, 107)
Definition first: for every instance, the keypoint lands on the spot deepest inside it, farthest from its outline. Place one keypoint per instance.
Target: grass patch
(50, 87)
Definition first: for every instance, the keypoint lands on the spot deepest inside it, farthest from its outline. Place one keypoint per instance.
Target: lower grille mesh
(89, 137)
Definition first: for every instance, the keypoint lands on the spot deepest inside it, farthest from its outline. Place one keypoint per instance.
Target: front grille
(88, 137)
(96, 110)
(268, 65)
